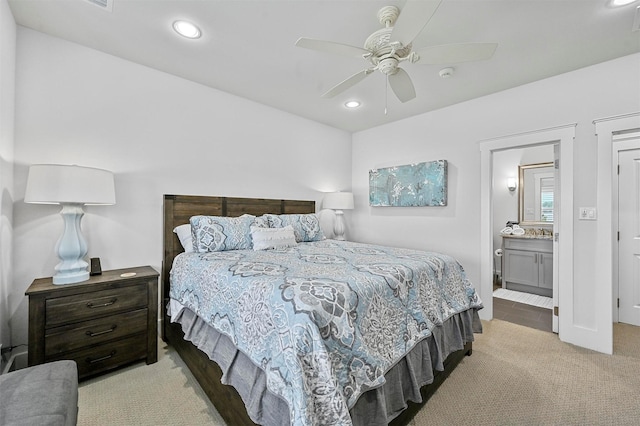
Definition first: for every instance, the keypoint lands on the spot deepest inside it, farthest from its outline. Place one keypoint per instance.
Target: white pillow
(184, 235)
(272, 238)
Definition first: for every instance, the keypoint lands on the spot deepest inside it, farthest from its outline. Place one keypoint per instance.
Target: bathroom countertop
(528, 237)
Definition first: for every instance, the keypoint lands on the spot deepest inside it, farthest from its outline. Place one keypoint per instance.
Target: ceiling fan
(386, 48)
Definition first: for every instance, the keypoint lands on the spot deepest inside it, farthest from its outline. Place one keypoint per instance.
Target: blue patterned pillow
(260, 221)
(219, 233)
(306, 227)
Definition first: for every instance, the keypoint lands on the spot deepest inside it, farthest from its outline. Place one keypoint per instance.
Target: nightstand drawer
(92, 332)
(109, 355)
(64, 310)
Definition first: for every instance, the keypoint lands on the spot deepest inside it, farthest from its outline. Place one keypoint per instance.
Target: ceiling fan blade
(331, 47)
(351, 81)
(454, 53)
(412, 19)
(402, 86)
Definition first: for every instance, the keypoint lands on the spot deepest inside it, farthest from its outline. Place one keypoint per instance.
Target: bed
(248, 384)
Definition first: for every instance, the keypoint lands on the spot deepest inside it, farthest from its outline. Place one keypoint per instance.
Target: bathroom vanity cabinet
(528, 265)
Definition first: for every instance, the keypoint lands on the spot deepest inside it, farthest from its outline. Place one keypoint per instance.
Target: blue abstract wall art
(411, 185)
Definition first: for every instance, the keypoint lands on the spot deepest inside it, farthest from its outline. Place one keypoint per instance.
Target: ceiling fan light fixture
(386, 48)
(187, 29)
(352, 104)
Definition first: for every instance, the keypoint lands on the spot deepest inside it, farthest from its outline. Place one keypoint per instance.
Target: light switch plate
(587, 213)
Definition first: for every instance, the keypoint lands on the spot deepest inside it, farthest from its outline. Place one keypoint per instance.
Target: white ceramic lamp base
(71, 248)
(338, 227)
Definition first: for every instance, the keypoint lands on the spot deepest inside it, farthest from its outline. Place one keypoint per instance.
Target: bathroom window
(546, 200)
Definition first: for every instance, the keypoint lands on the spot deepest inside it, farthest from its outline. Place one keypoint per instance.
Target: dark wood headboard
(178, 209)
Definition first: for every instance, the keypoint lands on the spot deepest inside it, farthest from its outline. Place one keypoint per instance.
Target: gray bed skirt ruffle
(375, 407)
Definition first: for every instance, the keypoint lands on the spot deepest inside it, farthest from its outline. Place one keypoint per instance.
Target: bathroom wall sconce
(512, 184)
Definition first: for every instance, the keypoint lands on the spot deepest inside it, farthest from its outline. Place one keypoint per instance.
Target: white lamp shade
(62, 184)
(338, 201)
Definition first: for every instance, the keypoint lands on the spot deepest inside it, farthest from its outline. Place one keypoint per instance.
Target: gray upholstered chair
(45, 394)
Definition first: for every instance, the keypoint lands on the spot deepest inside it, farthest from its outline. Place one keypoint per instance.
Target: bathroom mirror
(536, 191)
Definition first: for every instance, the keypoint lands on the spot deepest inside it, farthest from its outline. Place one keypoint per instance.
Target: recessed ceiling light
(187, 29)
(352, 104)
(618, 3)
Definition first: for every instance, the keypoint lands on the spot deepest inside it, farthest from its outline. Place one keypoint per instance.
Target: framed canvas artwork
(410, 185)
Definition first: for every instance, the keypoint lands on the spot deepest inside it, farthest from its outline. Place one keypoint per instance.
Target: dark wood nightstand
(102, 323)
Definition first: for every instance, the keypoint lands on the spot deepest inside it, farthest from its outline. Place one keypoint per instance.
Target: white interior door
(629, 236)
(613, 133)
(556, 251)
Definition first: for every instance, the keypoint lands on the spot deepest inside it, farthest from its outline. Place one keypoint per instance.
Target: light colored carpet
(516, 376)
(522, 297)
(522, 376)
(164, 393)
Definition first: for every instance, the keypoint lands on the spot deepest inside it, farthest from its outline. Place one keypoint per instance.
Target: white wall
(7, 96)
(452, 133)
(159, 134)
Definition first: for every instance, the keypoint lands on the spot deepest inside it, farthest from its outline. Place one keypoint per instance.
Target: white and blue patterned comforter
(325, 320)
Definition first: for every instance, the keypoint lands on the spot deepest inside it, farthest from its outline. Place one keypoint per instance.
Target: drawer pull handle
(99, 333)
(103, 358)
(90, 305)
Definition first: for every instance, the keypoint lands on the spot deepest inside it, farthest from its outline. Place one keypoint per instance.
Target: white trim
(606, 130)
(486, 233)
(619, 121)
(532, 137)
(564, 135)
(557, 194)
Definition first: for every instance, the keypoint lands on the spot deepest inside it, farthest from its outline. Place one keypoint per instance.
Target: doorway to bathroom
(524, 206)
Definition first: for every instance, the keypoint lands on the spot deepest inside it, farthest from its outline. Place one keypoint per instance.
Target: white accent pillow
(272, 238)
(184, 235)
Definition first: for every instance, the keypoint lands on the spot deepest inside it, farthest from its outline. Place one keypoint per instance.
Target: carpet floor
(516, 376)
(164, 393)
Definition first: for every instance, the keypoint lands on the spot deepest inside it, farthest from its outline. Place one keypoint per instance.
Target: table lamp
(338, 201)
(72, 187)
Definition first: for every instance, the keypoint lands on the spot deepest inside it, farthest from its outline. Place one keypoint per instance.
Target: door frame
(564, 137)
(557, 200)
(621, 142)
(607, 131)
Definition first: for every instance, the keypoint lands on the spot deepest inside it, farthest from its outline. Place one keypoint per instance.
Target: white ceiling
(247, 47)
